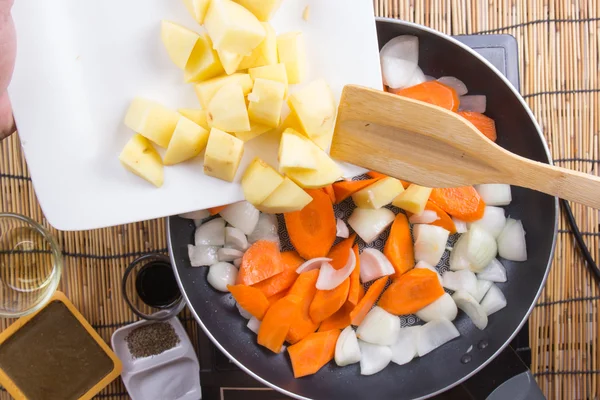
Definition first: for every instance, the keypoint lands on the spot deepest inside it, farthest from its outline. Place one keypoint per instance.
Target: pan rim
(542, 283)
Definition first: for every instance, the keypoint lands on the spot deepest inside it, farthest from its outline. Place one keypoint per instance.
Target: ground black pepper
(152, 339)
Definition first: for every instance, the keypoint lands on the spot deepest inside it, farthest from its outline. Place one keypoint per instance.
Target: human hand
(8, 47)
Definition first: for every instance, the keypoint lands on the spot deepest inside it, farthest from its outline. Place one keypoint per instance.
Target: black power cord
(585, 252)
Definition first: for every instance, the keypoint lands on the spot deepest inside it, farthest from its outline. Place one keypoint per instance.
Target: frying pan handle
(519, 387)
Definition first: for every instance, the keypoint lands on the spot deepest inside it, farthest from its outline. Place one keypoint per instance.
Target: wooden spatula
(434, 147)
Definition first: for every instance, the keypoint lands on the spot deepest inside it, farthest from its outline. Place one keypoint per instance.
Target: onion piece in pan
(494, 272)
(200, 214)
(347, 350)
(266, 229)
(454, 83)
(417, 77)
(405, 347)
(235, 239)
(471, 307)
(313, 263)
(475, 103)
(373, 357)
(245, 314)
(330, 278)
(460, 280)
(493, 301)
(373, 265)
(369, 224)
(474, 250)
(493, 221)
(201, 256)
(495, 194)
(426, 217)
(434, 334)
(399, 60)
(211, 233)
(379, 327)
(461, 226)
(241, 215)
(430, 243)
(442, 308)
(229, 255)
(237, 262)
(341, 229)
(511, 242)
(253, 325)
(222, 274)
(482, 288)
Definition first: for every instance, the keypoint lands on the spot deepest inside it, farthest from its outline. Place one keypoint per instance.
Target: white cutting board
(79, 65)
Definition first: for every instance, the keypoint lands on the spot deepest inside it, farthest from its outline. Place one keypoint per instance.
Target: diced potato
(263, 9)
(197, 8)
(152, 120)
(138, 156)
(197, 116)
(259, 181)
(288, 197)
(265, 53)
(379, 194)
(203, 63)
(230, 61)
(323, 141)
(275, 72)
(296, 152)
(326, 173)
(206, 90)
(413, 199)
(187, 142)
(227, 109)
(292, 53)
(232, 27)
(292, 122)
(255, 131)
(223, 155)
(315, 107)
(178, 41)
(266, 101)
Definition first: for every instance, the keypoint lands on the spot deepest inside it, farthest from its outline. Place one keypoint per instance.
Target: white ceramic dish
(172, 375)
(80, 63)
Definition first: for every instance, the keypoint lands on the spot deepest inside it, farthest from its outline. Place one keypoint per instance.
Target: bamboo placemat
(559, 49)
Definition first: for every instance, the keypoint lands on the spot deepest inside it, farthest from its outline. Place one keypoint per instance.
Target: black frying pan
(438, 371)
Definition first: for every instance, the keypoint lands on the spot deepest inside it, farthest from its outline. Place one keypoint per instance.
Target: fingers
(7, 123)
(7, 63)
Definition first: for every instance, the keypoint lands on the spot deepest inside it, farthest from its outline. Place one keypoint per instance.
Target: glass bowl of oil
(30, 265)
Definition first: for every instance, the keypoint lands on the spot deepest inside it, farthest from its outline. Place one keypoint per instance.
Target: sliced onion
(222, 274)
(426, 217)
(211, 233)
(429, 78)
(374, 265)
(369, 224)
(482, 288)
(475, 103)
(245, 314)
(474, 250)
(511, 242)
(253, 325)
(379, 327)
(454, 83)
(434, 334)
(471, 307)
(494, 272)
(226, 254)
(235, 239)
(495, 194)
(267, 228)
(373, 357)
(405, 47)
(341, 229)
(330, 278)
(198, 222)
(493, 221)
(405, 347)
(313, 263)
(417, 78)
(442, 308)
(461, 226)
(347, 350)
(241, 215)
(200, 214)
(201, 256)
(430, 243)
(460, 280)
(237, 262)
(397, 73)
(493, 301)
(423, 264)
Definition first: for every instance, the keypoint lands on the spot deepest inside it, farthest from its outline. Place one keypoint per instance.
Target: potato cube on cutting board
(295, 152)
(379, 194)
(138, 156)
(187, 142)
(223, 155)
(178, 41)
(288, 197)
(230, 61)
(232, 27)
(197, 8)
(206, 90)
(255, 131)
(263, 9)
(274, 72)
(203, 63)
(265, 53)
(259, 181)
(292, 52)
(265, 102)
(152, 120)
(227, 109)
(197, 116)
(413, 199)
(315, 107)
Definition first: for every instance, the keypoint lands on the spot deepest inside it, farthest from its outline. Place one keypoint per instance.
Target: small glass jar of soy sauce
(150, 288)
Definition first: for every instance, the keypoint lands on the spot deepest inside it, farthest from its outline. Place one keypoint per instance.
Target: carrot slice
(364, 305)
(305, 288)
(340, 252)
(261, 261)
(411, 292)
(379, 175)
(329, 190)
(216, 210)
(327, 302)
(310, 354)
(312, 230)
(399, 247)
(485, 124)
(432, 92)
(275, 297)
(345, 189)
(444, 220)
(462, 202)
(339, 320)
(250, 299)
(283, 280)
(277, 321)
(361, 293)
(355, 285)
